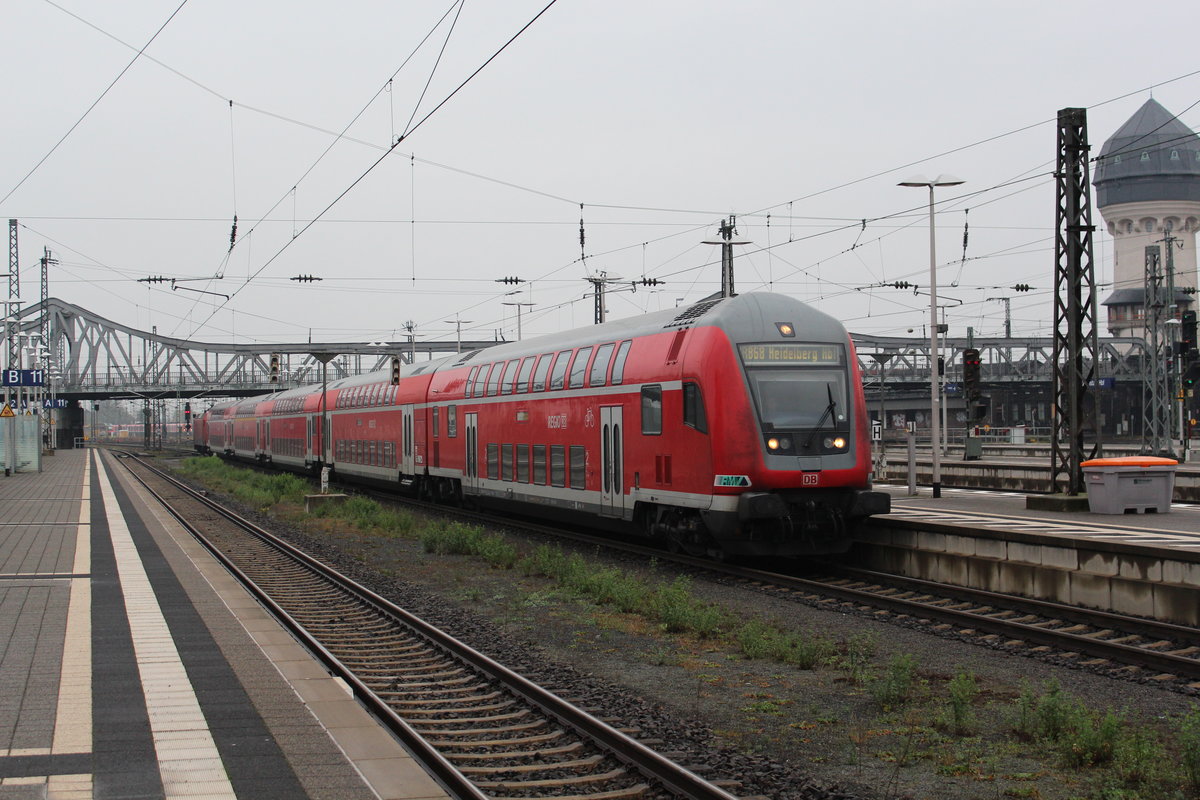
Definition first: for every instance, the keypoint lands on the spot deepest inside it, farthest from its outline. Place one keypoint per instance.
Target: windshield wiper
(829, 409)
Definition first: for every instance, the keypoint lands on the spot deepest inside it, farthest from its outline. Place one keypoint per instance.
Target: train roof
(743, 317)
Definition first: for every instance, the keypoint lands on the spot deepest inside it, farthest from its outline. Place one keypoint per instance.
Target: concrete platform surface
(133, 666)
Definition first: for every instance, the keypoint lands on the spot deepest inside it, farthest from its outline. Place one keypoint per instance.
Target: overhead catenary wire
(378, 161)
(770, 251)
(95, 103)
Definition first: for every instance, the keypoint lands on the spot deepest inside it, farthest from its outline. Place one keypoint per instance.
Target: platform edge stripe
(73, 716)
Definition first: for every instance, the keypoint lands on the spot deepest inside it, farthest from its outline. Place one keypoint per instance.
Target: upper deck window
(618, 370)
(543, 370)
(523, 375)
(559, 376)
(510, 375)
(579, 367)
(600, 365)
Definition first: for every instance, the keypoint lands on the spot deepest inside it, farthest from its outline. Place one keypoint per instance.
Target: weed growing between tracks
(837, 700)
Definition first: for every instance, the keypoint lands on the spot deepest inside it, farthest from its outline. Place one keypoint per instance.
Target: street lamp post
(934, 380)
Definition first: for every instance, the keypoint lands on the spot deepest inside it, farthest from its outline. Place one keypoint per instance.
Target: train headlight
(835, 443)
(773, 443)
(785, 443)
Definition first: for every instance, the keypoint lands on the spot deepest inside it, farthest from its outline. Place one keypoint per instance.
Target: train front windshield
(799, 399)
(802, 394)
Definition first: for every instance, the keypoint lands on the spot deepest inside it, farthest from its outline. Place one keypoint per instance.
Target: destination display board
(791, 353)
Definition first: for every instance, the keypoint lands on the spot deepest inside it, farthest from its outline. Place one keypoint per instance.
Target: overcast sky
(660, 117)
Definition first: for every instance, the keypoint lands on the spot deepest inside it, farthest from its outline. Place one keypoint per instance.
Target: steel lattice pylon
(14, 294)
(1156, 394)
(1075, 300)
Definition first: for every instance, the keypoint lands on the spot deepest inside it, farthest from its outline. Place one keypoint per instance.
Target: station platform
(133, 666)
(1178, 528)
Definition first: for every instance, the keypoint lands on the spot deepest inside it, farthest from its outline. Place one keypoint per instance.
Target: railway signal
(972, 390)
(1191, 376)
(274, 367)
(395, 370)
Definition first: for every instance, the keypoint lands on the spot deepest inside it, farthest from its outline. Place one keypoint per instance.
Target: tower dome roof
(1152, 157)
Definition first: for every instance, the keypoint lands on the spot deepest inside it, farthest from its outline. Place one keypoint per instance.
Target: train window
(558, 465)
(618, 370)
(523, 375)
(579, 368)
(506, 462)
(600, 365)
(539, 464)
(452, 421)
(434, 424)
(578, 466)
(652, 409)
(510, 375)
(693, 407)
(799, 398)
(543, 369)
(493, 381)
(388, 454)
(522, 463)
(493, 462)
(470, 382)
(558, 377)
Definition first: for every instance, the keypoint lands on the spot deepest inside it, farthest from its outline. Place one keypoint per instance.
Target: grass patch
(256, 489)
(457, 538)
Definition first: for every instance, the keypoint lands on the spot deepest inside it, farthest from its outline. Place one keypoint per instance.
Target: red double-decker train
(735, 425)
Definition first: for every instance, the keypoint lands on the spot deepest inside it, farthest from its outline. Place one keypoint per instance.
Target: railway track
(482, 729)
(1089, 637)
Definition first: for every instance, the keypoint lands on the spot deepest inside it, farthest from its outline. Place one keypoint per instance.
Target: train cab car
(734, 425)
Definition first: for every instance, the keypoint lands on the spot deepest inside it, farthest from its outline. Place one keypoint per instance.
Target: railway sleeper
(576, 764)
(548, 752)
(457, 720)
(489, 730)
(416, 712)
(511, 741)
(580, 780)
(491, 746)
(479, 698)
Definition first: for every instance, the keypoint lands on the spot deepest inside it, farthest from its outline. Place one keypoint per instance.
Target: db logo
(810, 479)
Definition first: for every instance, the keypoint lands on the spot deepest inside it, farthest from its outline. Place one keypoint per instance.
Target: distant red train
(735, 425)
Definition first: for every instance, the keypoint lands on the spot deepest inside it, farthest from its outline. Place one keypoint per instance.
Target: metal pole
(934, 378)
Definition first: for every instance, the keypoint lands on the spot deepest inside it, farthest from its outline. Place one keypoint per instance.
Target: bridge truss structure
(96, 358)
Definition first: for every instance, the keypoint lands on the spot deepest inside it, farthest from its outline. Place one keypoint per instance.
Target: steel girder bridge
(96, 358)
(93, 358)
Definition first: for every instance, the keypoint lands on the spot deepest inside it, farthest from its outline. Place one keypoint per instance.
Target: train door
(471, 462)
(270, 451)
(407, 445)
(612, 449)
(259, 447)
(309, 444)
